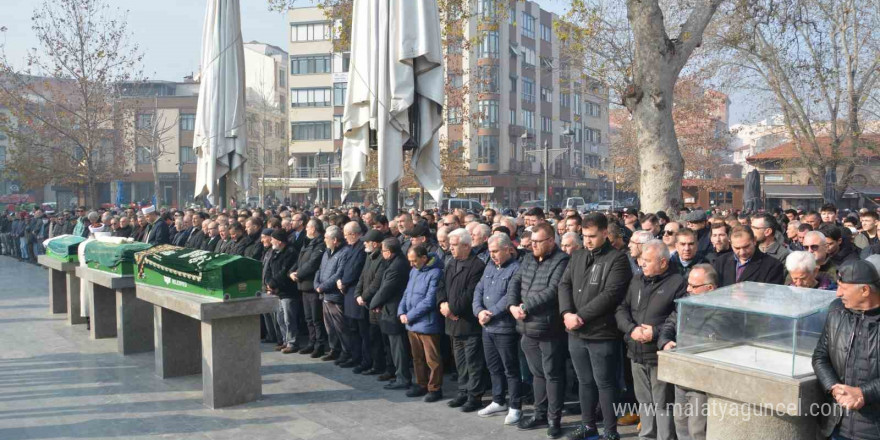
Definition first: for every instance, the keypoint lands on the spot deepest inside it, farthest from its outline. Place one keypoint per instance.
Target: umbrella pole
(391, 194)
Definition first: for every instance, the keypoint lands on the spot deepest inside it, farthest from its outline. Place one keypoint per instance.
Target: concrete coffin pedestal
(57, 282)
(220, 339)
(745, 403)
(117, 311)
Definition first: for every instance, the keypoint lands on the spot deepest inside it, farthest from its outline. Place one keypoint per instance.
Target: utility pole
(179, 171)
(545, 158)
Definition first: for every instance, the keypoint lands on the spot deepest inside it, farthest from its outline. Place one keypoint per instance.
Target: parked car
(577, 203)
(527, 205)
(466, 204)
(606, 205)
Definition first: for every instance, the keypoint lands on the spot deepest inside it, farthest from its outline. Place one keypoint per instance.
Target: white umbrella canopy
(220, 138)
(396, 63)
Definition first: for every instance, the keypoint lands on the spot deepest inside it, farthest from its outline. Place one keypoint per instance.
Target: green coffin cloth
(202, 272)
(112, 257)
(64, 248)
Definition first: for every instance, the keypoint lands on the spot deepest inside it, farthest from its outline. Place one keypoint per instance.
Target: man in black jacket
(697, 222)
(297, 234)
(158, 230)
(212, 235)
(846, 358)
(746, 262)
(357, 324)
(840, 249)
(367, 286)
(279, 283)
(385, 301)
(303, 273)
(649, 301)
(463, 272)
(686, 255)
(593, 285)
(271, 331)
(533, 302)
(197, 236)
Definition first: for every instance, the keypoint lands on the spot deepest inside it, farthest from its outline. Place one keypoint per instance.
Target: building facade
(519, 98)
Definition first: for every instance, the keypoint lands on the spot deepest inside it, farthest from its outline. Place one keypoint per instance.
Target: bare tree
(152, 139)
(66, 98)
(629, 45)
(818, 60)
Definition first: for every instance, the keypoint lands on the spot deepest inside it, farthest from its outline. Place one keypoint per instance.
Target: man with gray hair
(571, 242)
(846, 355)
(357, 327)
(479, 234)
(326, 284)
(463, 272)
(648, 302)
(804, 272)
(635, 249)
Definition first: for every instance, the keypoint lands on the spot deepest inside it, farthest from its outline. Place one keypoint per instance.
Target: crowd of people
(527, 306)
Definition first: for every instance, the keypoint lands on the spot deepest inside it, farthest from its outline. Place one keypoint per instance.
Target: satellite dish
(409, 201)
(453, 193)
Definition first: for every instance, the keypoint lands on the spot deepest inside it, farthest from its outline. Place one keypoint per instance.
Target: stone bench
(117, 312)
(63, 288)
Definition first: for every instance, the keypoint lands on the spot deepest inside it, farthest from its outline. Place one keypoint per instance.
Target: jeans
(314, 315)
(38, 249)
(23, 245)
(689, 415)
(334, 321)
(358, 333)
(502, 359)
(652, 392)
(292, 314)
(545, 359)
(596, 366)
(470, 363)
(271, 325)
(427, 363)
(400, 353)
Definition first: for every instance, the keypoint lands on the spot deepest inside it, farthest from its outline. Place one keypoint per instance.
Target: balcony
(315, 173)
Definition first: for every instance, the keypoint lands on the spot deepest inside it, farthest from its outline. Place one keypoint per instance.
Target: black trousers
(358, 333)
(380, 350)
(313, 309)
(546, 363)
(334, 321)
(502, 359)
(597, 365)
(470, 363)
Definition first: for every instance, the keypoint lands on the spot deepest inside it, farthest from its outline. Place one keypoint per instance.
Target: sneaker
(416, 391)
(457, 401)
(583, 432)
(433, 396)
(513, 416)
(492, 409)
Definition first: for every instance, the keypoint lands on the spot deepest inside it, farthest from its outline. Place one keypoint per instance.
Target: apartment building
(520, 98)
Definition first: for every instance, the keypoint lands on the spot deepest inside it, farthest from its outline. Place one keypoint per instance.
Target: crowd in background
(527, 307)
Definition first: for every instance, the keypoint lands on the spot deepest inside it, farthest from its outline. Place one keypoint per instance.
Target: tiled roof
(788, 150)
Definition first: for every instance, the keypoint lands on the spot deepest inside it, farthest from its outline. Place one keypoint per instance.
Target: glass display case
(758, 326)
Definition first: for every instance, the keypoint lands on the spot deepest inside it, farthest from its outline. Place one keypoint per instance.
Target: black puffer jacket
(308, 263)
(461, 278)
(593, 285)
(648, 301)
(536, 287)
(278, 272)
(848, 352)
(395, 276)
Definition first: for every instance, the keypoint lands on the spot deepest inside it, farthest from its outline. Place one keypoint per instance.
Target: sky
(169, 34)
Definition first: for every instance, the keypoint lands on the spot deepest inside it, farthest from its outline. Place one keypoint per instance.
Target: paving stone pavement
(55, 383)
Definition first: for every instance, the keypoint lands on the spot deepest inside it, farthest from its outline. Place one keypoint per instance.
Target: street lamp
(545, 160)
(179, 171)
(608, 160)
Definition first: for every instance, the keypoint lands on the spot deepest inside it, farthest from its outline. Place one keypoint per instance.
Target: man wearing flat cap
(697, 222)
(418, 235)
(846, 359)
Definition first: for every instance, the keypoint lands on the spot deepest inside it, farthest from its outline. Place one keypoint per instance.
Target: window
(456, 80)
(489, 46)
(486, 8)
(310, 131)
(546, 94)
(317, 97)
(488, 79)
(487, 149)
(511, 16)
(144, 121)
(339, 90)
(512, 116)
(528, 58)
(488, 113)
(720, 198)
(513, 81)
(279, 130)
(577, 103)
(310, 64)
(546, 33)
(282, 78)
(578, 132)
(546, 124)
(528, 93)
(598, 136)
(143, 156)
(337, 127)
(453, 44)
(565, 100)
(453, 115)
(592, 109)
(528, 25)
(528, 120)
(187, 121)
(310, 31)
(188, 155)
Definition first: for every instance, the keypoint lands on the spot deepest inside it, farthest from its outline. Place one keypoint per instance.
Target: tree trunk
(92, 194)
(155, 165)
(661, 164)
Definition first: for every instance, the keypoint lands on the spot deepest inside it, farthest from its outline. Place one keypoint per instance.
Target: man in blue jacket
(326, 284)
(500, 339)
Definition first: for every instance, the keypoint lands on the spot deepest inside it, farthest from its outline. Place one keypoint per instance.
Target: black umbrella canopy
(829, 193)
(752, 192)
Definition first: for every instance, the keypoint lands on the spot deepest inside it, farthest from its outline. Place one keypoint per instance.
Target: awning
(791, 192)
(299, 190)
(477, 190)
